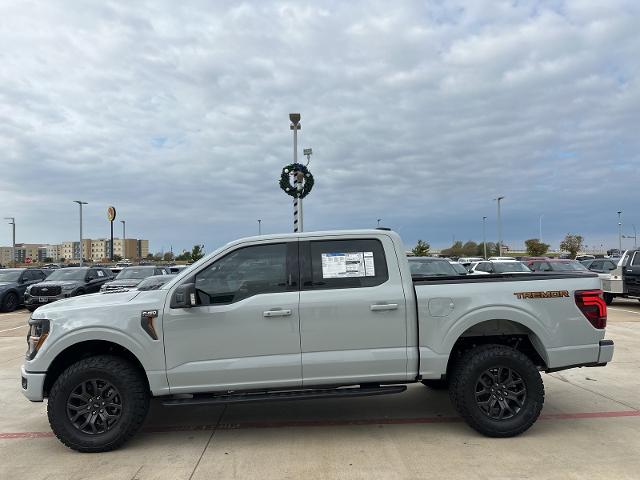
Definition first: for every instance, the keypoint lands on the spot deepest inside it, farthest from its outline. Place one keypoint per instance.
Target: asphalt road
(588, 430)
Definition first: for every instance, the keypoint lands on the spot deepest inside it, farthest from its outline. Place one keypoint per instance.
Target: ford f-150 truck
(309, 316)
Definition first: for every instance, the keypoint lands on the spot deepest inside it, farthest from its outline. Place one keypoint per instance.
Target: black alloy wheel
(10, 302)
(500, 393)
(94, 406)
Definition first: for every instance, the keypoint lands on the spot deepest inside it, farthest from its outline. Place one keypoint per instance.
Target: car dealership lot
(588, 429)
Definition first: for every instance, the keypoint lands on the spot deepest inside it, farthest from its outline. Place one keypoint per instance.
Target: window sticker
(347, 265)
(100, 273)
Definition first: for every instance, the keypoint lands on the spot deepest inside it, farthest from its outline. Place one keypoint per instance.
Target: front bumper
(32, 385)
(31, 301)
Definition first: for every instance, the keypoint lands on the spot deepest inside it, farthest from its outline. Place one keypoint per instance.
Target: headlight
(68, 287)
(28, 290)
(38, 333)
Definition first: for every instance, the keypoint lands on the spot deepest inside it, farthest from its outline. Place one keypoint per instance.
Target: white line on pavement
(621, 310)
(14, 328)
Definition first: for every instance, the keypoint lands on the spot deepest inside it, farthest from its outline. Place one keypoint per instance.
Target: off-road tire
(608, 298)
(466, 378)
(436, 383)
(9, 302)
(120, 373)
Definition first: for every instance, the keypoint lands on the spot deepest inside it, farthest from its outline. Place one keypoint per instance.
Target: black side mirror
(184, 296)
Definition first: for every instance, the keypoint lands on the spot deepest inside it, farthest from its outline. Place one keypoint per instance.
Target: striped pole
(295, 215)
(297, 209)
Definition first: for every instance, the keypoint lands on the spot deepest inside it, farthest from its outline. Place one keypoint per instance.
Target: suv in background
(130, 277)
(13, 284)
(494, 266)
(64, 283)
(431, 267)
(557, 265)
(601, 266)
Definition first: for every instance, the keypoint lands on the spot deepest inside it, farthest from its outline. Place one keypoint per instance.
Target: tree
(168, 257)
(492, 249)
(572, 244)
(184, 256)
(117, 258)
(197, 252)
(149, 256)
(454, 250)
(469, 249)
(535, 248)
(421, 249)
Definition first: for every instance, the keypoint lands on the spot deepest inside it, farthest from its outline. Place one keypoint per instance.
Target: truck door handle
(385, 306)
(277, 313)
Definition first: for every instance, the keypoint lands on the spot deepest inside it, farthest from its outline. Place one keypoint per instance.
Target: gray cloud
(419, 114)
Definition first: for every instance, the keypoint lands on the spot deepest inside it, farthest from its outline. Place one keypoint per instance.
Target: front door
(632, 274)
(244, 333)
(352, 312)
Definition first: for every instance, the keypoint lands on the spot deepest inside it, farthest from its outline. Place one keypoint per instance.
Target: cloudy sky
(418, 113)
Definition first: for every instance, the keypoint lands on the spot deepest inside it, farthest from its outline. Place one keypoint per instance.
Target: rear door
(632, 275)
(353, 325)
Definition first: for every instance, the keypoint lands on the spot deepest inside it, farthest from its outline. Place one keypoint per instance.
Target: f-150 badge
(548, 294)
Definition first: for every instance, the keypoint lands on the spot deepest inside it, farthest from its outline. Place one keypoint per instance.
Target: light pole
(635, 237)
(124, 239)
(13, 247)
(80, 203)
(620, 232)
(297, 202)
(484, 236)
(499, 226)
(259, 226)
(379, 220)
(540, 228)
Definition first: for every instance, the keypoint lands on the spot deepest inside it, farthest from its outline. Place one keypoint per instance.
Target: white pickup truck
(309, 316)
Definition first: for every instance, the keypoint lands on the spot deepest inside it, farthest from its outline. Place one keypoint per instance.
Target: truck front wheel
(98, 403)
(497, 390)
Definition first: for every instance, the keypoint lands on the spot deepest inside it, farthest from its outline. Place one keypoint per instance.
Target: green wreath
(285, 184)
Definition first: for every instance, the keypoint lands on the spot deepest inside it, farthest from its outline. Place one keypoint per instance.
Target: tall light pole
(484, 236)
(540, 228)
(379, 220)
(80, 203)
(13, 247)
(259, 226)
(499, 226)
(124, 239)
(297, 202)
(620, 232)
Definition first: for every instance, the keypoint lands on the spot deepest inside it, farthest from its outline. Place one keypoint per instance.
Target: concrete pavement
(588, 430)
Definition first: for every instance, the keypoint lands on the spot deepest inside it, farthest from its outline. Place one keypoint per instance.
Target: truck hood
(93, 301)
(63, 283)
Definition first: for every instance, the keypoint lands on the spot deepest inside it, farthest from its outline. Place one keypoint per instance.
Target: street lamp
(484, 236)
(379, 220)
(540, 228)
(124, 239)
(620, 232)
(13, 247)
(499, 226)
(80, 203)
(259, 226)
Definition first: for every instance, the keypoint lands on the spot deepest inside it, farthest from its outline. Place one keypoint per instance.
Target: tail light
(593, 307)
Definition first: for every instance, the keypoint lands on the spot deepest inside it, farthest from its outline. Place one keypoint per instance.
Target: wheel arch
(84, 349)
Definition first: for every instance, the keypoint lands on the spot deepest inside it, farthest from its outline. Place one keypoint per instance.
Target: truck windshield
(135, 272)
(10, 275)
(68, 274)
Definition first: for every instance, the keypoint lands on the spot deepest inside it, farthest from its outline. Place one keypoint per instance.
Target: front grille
(46, 291)
(110, 288)
(632, 280)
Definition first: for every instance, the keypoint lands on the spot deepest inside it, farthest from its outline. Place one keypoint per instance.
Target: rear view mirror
(184, 296)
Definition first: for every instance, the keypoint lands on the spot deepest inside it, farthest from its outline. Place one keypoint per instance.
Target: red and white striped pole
(297, 202)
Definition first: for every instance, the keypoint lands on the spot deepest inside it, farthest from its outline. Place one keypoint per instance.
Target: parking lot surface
(588, 429)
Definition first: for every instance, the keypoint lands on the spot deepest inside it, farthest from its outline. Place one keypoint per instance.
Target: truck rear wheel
(608, 298)
(497, 390)
(98, 403)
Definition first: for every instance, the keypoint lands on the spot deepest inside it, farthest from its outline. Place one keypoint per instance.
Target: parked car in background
(154, 282)
(65, 283)
(498, 266)
(13, 285)
(601, 266)
(177, 268)
(530, 259)
(501, 259)
(130, 277)
(458, 267)
(557, 265)
(466, 261)
(431, 267)
(624, 280)
(580, 258)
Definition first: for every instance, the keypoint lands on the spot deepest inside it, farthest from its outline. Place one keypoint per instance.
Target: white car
(501, 259)
(498, 266)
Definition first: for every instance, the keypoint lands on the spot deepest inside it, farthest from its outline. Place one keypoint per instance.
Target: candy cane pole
(297, 203)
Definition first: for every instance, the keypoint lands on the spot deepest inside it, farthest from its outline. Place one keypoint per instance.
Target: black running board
(208, 399)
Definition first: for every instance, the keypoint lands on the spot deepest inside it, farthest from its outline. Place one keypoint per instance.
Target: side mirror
(184, 296)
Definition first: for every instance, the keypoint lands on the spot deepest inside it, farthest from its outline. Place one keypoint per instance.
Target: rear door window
(331, 264)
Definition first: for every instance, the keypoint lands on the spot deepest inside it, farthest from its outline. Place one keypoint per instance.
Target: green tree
(197, 252)
(149, 256)
(469, 249)
(185, 256)
(454, 250)
(535, 248)
(117, 258)
(421, 249)
(492, 249)
(168, 257)
(572, 244)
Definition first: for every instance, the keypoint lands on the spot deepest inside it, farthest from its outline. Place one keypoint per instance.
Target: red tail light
(592, 306)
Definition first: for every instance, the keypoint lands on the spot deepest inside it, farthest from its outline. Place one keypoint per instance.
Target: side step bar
(208, 399)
